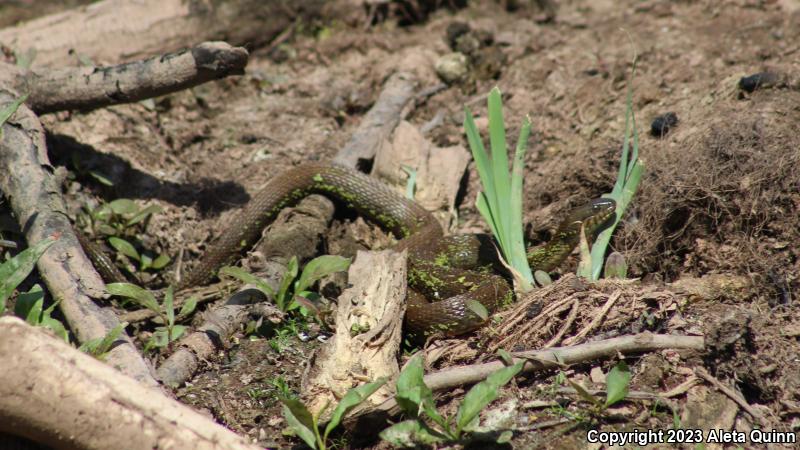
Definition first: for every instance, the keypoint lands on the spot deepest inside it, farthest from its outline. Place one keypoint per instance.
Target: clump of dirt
(723, 197)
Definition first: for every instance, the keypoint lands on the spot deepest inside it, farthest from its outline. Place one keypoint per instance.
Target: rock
(452, 67)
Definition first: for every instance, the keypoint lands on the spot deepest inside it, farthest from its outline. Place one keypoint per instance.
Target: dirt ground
(719, 196)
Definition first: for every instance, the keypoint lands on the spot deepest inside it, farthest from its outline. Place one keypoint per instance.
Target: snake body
(442, 278)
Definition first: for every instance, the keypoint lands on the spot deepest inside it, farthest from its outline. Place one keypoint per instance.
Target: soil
(719, 196)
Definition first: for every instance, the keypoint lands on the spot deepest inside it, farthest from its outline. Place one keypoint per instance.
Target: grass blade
(16, 269)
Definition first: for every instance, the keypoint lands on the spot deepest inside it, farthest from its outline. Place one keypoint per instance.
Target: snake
(446, 275)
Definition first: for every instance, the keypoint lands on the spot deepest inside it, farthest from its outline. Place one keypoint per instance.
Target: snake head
(594, 216)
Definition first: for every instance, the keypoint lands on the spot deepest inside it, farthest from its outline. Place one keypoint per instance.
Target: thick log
(88, 404)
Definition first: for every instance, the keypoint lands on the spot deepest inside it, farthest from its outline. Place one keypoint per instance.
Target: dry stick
(733, 395)
(596, 320)
(34, 196)
(95, 87)
(374, 128)
(379, 122)
(89, 404)
(541, 360)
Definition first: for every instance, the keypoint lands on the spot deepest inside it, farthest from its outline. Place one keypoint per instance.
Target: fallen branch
(131, 30)
(89, 404)
(398, 93)
(34, 196)
(541, 360)
(95, 87)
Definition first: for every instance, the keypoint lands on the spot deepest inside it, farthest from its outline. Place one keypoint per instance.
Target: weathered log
(56, 395)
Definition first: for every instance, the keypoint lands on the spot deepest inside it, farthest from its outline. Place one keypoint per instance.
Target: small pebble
(758, 81)
(452, 67)
(663, 124)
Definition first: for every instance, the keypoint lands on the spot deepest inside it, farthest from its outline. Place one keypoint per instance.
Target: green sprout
(628, 177)
(500, 202)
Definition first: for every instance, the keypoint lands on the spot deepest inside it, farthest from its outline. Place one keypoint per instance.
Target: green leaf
(176, 331)
(583, 393)
(497, 141)
(411, 433)
(542, 278)
(505, 357)
(286, 282)
(143, 214)
(124, 247)
(169, 301)
(248, 278)
(478, 308)
(55, 326)
(159, 339)
(7, 111)
(413, 396)
(30, 304)
(100, 346)
(320, 267)
(145, 261)
(160, 262)
(141, 296)
(102, 179)
(518, 256)
(411, 183)
(17, 268)
(124, 207)
(505, 437)
(411, 388)
(188, 307)
(300, 421)
(351, 399)
(615, 266)
(628, 177)
(482, 394)
(617, 382)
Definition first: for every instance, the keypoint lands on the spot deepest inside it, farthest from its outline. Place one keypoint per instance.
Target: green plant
(99, 347)
(291, 286)
(169, 331)
(500, 202)
(283, 334)
(628, 177)
(306, 425)
(119, 222)
(618, 382)
(7, 111)
(30, 306)
(14, 270)
(416, 401)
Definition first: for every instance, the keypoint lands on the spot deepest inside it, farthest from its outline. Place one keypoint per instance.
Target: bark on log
(137, 29)
(88, 404)
(95, 87)
(35, 197)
